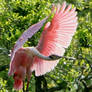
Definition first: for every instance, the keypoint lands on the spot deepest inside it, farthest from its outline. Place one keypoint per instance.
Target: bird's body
(55, 37)
(22, 64)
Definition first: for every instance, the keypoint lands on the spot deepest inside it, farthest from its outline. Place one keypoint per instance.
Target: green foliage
(20, 16)
(69, 75)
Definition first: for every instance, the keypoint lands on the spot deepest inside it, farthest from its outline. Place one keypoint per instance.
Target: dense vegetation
(69, 75)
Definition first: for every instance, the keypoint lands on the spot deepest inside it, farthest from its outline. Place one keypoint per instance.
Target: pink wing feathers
(56, 36)
(28, 34)
(24, 37)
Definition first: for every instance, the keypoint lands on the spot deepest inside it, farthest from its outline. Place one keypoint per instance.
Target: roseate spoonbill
(56, 36)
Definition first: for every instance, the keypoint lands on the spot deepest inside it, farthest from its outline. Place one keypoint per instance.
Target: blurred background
(69, 75)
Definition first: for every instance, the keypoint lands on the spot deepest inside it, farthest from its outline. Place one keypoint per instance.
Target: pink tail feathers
(18, 84)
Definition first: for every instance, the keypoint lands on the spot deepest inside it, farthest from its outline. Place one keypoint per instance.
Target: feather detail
(18, 84)
(55, 38)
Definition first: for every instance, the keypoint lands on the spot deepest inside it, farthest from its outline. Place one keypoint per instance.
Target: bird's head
(54, 57)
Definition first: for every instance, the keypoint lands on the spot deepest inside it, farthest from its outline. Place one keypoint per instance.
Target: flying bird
(55, 37)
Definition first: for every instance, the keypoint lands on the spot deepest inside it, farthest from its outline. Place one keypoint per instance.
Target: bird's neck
(32, 51)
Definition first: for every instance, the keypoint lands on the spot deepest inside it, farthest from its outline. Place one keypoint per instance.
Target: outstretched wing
(27, 34)
(24, 37)
(55, 38)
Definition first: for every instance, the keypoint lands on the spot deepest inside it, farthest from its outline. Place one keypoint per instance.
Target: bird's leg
(23, 86)
(27, 86)
(28, 79)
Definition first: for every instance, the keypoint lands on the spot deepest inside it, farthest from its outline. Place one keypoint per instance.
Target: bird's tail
(18, 84)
